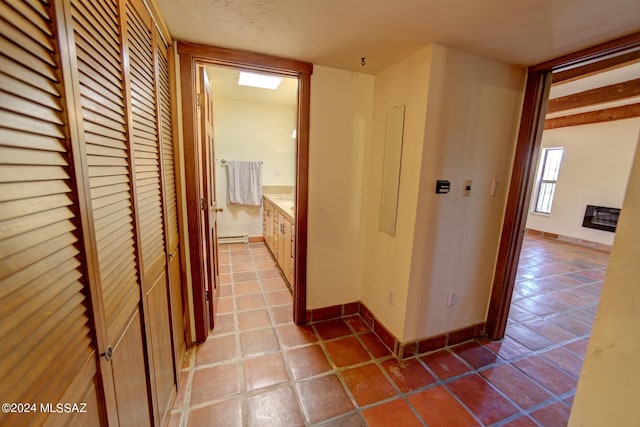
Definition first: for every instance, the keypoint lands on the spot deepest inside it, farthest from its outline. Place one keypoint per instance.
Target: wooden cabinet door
(280, 236)
(284, 245)
(275, 236)
(287, 260)
(268, 224)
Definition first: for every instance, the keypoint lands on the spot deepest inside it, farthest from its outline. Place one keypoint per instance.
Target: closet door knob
(108, 353)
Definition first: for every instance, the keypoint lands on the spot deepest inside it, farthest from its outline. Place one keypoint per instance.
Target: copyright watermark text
(49, 407)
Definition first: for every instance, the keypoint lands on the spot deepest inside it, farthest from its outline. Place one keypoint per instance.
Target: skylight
(259, 80)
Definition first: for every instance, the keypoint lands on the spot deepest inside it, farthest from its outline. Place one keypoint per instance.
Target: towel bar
(224, 161)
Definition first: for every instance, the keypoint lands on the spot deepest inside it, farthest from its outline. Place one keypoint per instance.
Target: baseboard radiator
(244, 238)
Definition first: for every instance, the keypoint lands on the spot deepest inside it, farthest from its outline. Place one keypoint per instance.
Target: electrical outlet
(391, 296)
(451, 298)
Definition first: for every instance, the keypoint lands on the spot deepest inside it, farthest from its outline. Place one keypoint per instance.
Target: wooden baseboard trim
(571, 240)
(399, 349)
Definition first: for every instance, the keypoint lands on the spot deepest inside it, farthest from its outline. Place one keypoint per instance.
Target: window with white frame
(547, 178)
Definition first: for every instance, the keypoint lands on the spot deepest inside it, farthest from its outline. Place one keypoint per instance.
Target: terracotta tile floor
(258, 369)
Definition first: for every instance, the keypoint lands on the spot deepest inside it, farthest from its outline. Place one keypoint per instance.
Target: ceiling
(338, 33)
(599, 80)
(225, 85)
(617, 75)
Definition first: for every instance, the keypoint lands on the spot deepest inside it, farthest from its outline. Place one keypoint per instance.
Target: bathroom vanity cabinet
(279, 232)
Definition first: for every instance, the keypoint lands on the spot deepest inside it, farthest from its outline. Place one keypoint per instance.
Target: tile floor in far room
(258, 369)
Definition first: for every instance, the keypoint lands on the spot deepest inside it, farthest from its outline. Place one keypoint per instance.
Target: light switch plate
(466, 188)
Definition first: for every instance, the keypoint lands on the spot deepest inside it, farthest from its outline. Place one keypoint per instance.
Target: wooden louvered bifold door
(101, 88)
(88, 215)
(47, 350)
(170, 199)
(145, 141)
(105, 137)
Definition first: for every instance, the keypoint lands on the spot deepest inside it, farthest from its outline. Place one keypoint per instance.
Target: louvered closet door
(104, 124)
(148, 183)
(170, 198)
(47, 352)
(145, 141)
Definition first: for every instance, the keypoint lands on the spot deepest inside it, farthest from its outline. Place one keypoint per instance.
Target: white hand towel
(244, 183)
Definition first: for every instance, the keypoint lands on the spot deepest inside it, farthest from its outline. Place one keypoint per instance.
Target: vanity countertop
(284, 202)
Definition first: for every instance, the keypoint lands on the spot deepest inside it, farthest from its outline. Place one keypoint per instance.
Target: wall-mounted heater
(243, 238)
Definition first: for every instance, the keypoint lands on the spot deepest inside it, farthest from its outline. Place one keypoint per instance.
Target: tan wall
(387, 259)
(472, 120)
(460, 123)
(608, 389)
(341, 104)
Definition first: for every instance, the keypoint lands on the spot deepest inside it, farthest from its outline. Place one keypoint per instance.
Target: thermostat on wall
(442, 186)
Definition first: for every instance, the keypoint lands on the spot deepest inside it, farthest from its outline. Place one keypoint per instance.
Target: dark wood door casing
(526, 157)
(193, 56)
(193, 195)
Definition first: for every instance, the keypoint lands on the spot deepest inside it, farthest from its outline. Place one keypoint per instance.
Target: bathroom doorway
(255, 121)
(192, 58)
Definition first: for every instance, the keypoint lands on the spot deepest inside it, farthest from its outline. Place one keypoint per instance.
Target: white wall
(341, 103)
(608, 389)
(247, 130)
(594, 171)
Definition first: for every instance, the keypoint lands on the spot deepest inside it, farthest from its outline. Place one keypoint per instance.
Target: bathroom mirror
(391, 170)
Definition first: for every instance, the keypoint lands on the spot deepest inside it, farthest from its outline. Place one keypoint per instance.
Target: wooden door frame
(539, 80)
(192, 56)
